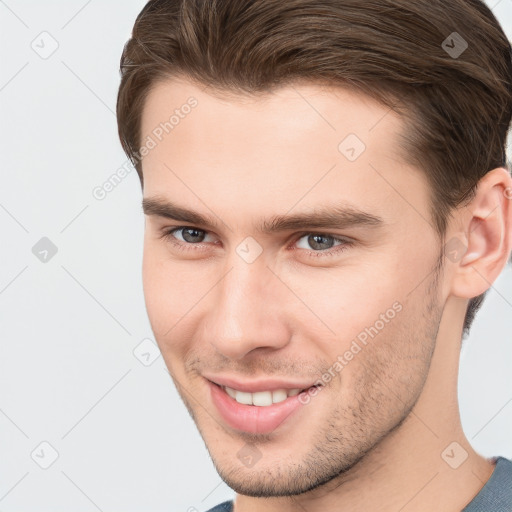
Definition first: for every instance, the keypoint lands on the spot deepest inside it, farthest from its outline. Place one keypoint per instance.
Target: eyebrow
(336, 217)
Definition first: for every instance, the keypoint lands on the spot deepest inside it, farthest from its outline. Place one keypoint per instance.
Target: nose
(247, 311)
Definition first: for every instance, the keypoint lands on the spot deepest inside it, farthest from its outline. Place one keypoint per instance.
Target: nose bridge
(240, 294)
(245, 309)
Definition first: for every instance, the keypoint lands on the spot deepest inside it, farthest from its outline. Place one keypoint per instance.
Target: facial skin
(382, 423)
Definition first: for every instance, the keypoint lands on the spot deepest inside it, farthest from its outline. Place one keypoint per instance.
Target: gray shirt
(494, 496)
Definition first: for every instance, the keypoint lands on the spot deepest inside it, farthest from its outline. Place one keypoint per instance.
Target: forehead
(301, 108)
(303, 143)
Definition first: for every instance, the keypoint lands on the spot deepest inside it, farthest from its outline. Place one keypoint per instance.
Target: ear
(488, 234)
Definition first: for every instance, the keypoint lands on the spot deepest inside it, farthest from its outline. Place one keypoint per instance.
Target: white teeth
(230, 392)
(261, 398)
(278, 396)
(243, 398)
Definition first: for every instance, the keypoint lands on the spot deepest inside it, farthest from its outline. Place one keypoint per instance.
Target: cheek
(380, 331)
(393, 363)
(346, 302)
(173, 294)
(163, 291)
(153, 286)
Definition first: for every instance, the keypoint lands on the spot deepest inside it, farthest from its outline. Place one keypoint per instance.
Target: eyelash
(182, 246)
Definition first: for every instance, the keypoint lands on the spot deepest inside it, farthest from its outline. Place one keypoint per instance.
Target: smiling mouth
(262, 398)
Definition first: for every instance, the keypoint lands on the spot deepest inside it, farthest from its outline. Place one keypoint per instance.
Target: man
(327, 202)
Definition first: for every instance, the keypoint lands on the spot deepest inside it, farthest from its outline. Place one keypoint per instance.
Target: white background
(68, 374)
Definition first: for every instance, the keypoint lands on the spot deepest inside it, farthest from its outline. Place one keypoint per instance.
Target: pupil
(313, 241)
(186, 234)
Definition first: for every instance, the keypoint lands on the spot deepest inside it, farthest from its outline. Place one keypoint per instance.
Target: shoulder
(496, 494)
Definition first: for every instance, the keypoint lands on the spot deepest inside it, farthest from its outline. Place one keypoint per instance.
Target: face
(247, 288)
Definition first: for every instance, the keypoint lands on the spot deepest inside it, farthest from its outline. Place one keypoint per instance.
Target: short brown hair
(457, 106)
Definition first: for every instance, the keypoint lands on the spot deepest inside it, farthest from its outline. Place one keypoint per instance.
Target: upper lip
(258, 385)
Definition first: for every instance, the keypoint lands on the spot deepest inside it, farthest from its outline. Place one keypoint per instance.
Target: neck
(426, 463)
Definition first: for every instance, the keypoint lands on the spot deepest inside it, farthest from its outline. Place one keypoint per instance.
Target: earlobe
(487, 235)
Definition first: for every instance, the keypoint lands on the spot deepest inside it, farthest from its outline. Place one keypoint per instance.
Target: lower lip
(253, 418)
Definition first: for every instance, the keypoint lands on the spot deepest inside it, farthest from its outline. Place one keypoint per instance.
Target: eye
(323, 244)
(189, 236)
(185, 237)
(318, 241)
